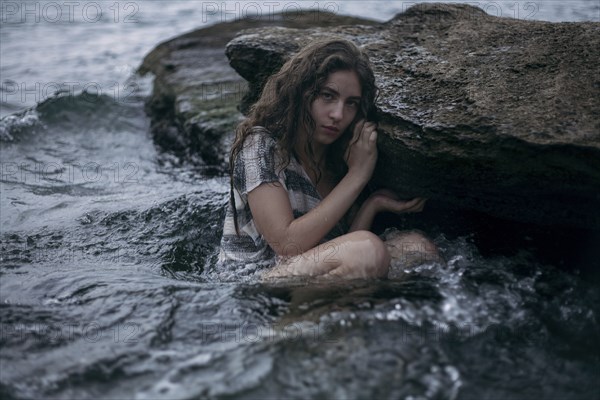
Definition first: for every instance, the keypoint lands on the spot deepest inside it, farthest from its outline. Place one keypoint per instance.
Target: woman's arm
(274, 219)
(383, 201)
(272, 211)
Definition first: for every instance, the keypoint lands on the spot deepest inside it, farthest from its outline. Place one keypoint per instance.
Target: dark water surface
(108, 289)
(108, 285)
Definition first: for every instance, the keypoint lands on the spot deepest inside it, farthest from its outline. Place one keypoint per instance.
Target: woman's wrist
(376, 203)
(359, 175)
(365, 215)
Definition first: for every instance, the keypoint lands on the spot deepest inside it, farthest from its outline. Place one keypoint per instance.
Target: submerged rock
(480, 113)
(195, 98)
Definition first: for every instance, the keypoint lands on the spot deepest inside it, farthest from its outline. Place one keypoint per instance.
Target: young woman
(298, 164)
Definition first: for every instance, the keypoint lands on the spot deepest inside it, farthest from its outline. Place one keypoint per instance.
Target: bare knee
(356, 255)
(370, 253)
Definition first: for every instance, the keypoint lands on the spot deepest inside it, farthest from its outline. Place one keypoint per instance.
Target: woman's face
(335, 106)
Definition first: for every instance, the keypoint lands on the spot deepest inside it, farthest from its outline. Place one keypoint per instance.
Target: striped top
(259, 162)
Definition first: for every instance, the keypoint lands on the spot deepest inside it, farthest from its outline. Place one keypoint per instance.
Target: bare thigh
(355, 255)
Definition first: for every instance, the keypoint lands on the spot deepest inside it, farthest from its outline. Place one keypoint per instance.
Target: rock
(193, 107)
(477, 112)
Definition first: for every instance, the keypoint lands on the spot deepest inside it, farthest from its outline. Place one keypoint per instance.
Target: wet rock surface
(494, 115)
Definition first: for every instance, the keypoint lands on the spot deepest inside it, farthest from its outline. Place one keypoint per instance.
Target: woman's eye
(327, 96)
(353, 103)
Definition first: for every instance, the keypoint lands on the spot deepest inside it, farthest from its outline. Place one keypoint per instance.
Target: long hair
(284, 105)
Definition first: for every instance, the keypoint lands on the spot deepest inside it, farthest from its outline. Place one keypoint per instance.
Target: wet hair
(284, 105)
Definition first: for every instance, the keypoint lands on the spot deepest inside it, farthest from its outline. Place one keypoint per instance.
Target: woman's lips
(331, 129)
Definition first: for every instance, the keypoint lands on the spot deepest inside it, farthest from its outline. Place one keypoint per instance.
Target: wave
(17, 125)
(71, 112)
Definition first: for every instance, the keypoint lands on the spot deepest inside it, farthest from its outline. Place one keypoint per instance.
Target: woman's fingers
(373, 137)
(387, 200)
(367, 132)
(416, 204)
(361, 154)
(358, 129)
(355, 138)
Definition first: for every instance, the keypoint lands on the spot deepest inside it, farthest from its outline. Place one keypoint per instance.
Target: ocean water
(96, 45)
(108, 285)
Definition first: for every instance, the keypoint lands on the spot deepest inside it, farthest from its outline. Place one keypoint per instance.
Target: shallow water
(108, 284)
(109, 289)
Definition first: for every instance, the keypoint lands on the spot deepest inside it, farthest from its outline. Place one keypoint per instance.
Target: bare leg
(410, 248)
(355, 255)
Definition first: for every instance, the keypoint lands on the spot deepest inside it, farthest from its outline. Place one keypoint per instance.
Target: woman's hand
(361, 155)
(384, 200)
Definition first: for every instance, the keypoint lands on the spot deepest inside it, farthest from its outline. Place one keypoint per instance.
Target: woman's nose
(336, 112)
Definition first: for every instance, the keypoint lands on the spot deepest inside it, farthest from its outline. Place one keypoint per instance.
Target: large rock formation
(483, 113)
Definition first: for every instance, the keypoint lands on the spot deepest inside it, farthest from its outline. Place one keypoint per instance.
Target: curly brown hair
(284, 105)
